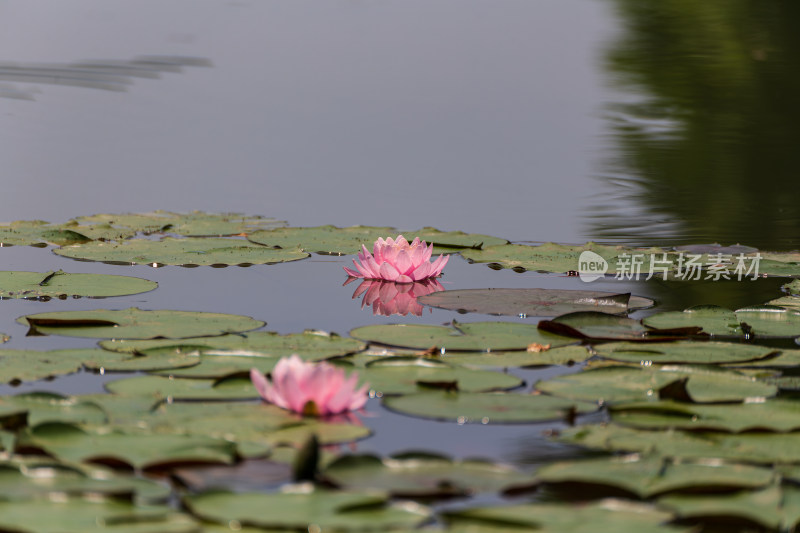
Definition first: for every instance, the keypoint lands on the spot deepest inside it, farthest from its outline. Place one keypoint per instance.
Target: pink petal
(388, 272)
(427, 253)
(352, 273)
(403, 279)
(421, 272)
(260, 382)
(403, 263)
(438, 265)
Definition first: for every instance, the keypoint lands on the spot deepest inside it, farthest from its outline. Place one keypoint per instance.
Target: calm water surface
(539, 120)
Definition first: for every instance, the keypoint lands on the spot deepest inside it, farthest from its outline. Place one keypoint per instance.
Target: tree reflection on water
(709, 149)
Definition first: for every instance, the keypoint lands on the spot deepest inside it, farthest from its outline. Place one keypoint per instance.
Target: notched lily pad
(548, 257)
(186, 252)
(195, 223)
(468, 336)
(421, 475)
(495, 408)
(163, 388)
(133, 323)
(42, 407)
(323, 239)
(533, 302)
(60, 284)
(698, 353)
(758, 321)
(602, 326)
(32, 365)
(38, 232)
(536, 355)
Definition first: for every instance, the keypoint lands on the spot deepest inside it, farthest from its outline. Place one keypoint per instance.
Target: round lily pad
(759, 321)
(323, 239)
(185, 388)
(548, 257)
(196, 223)
(533, 302)
(602, 326)
(186, 252)
(495, 408)
(699, 353)
(32, 365)
(472, 336)
(646, 477)
(41, 407)
(45, 285)
(335, 510)
(133, 323)
(35, 232)
(421, 475)
(535, 356)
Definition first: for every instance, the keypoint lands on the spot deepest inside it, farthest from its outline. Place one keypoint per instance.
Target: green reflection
(710, 150)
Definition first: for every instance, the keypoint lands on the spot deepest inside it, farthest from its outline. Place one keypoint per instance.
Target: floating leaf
(339, 510)
(453, 239)
(605, 516)
(497, 408)
(196, 223)
(777, 415)
(698, 353)
(420, 475)
(326, 432)
(468, 336)
(646, 477)
(139, 451)
(47, 516)
(793, 288)
(160, 387)
(548, 257)
(32, 365)
(761, 321)
(622, 383)
(62, 285)
(566, 355)
(323, 239)
(404, 375)
(787, 302)
(602, 326)
(41, 407)
(38, 232)
(533, 302)
(186, 252)
(778, 359)
(133, 323)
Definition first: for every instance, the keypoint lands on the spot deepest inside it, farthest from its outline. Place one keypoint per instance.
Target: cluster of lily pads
(700, 419)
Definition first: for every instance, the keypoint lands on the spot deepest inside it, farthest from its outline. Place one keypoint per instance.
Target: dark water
(623, 121)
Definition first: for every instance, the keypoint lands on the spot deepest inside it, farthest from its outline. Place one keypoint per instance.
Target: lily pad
(140, 451)
(196, 223)
(159, 387)
(793, 288)
(339, 510)
(763, 321)
(468, 336)
(61, 284)
(41, 407)
(326, 432)
(453, 239)
(323, 239)
(78, 516)
(602, 326)
(537, 356)
(698, 353)
(757, 448)
(405, 375)
(777, 415)
(133, 323)
(605, 516)
(616, 384)
(496, 408)
(185, 252)
(646, 477)
(533, 302)
(38, 232)
(212, 366)
(421, 475)
(32, 365)
(548, 257)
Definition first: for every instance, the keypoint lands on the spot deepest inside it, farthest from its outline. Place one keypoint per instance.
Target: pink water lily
(316, 389)
(397, 260)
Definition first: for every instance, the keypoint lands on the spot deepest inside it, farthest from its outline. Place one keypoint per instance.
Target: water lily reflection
(389, 298)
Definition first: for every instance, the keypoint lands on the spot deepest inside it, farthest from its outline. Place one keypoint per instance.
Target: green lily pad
(421, 475)
(212, 366)
(775, 507)
(164, 388)
(615, 384)
(139, 451)
(548, 257)
(133, 323)
(323, 239)
(602, 326)
(49, 479)
(61, 284)
(453, 239)
(533, 302)
(32, 365)
(698, 353)
(38, 232)
(41, 407)
(326, 432)
(495, 408)
(309, 345)
(761, 321)
(405, 375)
(778, 359)
(646, 477)
(196, 223)
(777, 415)
(79, 516)
(605, 516)
(757, 448)
(185, 252)
(793, 287)
(339, 510)
(566, 355)
(468, 336)
(787, 302)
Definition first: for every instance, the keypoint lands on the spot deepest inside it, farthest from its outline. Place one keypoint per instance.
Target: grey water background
(533, 120)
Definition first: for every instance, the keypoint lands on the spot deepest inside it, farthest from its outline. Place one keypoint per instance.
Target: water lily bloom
(388, 298)
(315, 389)
(397, 260)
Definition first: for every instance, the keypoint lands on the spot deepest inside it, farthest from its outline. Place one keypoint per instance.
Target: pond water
(562, 121)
